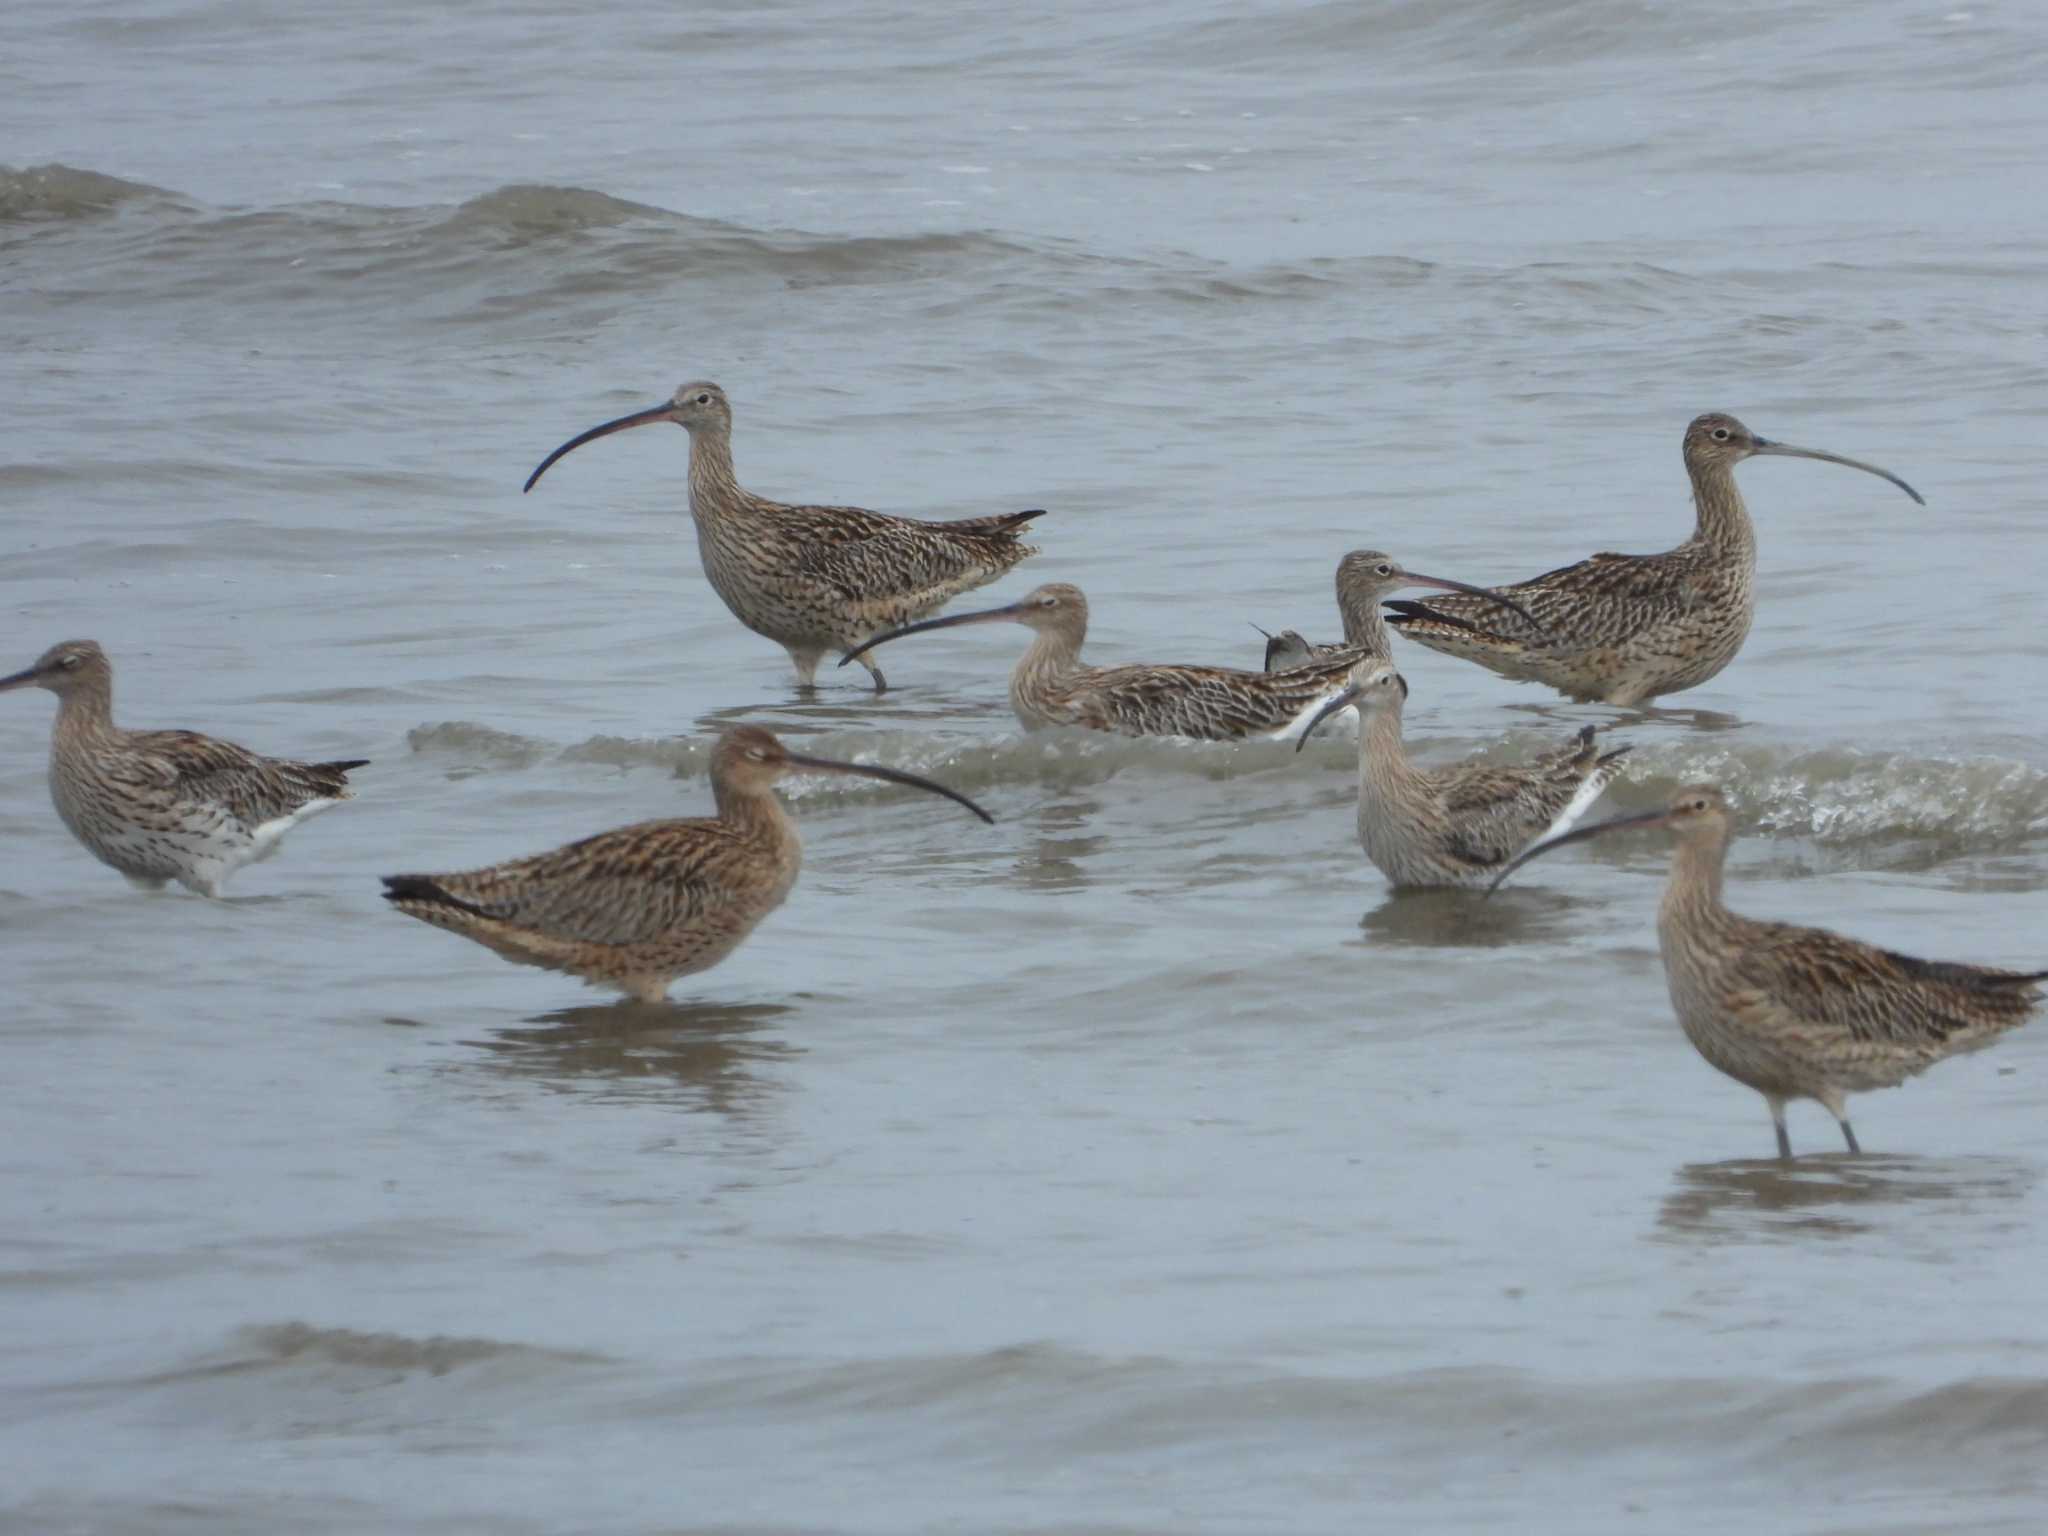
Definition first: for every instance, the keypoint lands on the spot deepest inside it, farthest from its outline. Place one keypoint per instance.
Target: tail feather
(421, 888)
(323, 780)
(1002, 523)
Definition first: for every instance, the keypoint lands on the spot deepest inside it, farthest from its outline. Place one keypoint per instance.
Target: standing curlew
(815, 579)
(637, 907)
(1456, 825)
(1623, 629)
(166, 805)
(1051, 687)
(1364, 577)
(1802, 1013)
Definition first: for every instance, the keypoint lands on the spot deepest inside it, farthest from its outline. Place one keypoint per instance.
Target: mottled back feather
(1782, 975)
(1209, 703)
(626, 886)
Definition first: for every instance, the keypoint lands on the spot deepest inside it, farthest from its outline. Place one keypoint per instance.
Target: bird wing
(862, 556)
(253, 788)
(1655, 587)
(1785, 976)
(1209, 703)
(624, 886)
(1496, 812)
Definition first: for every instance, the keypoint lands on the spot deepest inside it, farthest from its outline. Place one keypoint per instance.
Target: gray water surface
(1137, 1164)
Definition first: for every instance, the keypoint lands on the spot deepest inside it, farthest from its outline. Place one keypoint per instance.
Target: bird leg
(1778, 1121)
(645, 989)
(1840, 1110)
(806, 664)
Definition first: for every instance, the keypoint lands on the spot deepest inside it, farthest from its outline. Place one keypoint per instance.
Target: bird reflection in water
(1828, 1195)
(1056, 859)
(1452, 918)
(1690, 717)
(700, 1056)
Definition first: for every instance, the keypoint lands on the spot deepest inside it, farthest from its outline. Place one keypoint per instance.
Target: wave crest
(1835, 796)
(53, 192)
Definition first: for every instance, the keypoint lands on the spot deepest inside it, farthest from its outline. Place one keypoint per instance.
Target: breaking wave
(1835, 796)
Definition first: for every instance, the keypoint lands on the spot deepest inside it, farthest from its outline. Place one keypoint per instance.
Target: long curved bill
(980, 616)
(1343, 700)
(1578, 835)
(1766, 445)
(888, 776)
(1445, 584)
(647, 418)
(22, 679)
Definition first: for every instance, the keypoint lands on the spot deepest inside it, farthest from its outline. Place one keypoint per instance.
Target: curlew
(1803, 1013)
(1625, 629)
(637, 907)
(815, 579)
(166, 805)
(1051, 687)
(1458, 825)
(1364, 577)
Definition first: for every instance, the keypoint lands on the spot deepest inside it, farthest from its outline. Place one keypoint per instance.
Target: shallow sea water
(1136, 1164)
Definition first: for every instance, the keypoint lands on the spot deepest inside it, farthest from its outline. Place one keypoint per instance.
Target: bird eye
(68, 661)
(1384, 570)
(1720, 434)
(703, 399)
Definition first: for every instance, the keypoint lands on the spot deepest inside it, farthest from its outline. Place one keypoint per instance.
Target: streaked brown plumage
(637, 907)
(1051, 687)
(1364, 578)
(815, 579)
(1803, 1013)
(1625, 629)
(166, 805)
(1461, 824)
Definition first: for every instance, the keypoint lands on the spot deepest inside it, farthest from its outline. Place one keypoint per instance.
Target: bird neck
(1695, 889)
(714, 488)
(1721, 519)
(85, 711)
(1051, 656)
(1053, 651)
(753, 810)
(1383, 766)
(1362, 623)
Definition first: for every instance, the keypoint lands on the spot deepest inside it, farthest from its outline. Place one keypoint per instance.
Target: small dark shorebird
(166, 805)
(637, 907)
(1803, 1013)
(815, 579)
(1458, 825)
(1625, 629)
(1051, 687)
(1364, 578)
